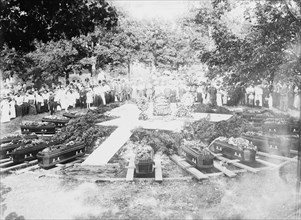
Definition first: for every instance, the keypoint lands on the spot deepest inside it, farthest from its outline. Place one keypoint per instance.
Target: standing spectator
(199, 95)
(25, 106)
(270, 101)
(89, 100)
(265, 97)
(39, 101)
(284, 98)
(250, 91)
(83, 97)
(4, 107)
(31, 102)
(297, 98)
(212, 92)
(98, 94)
(224, 97)
(107, 92)
(291, 95)
(19, 103)
(12, 107)
(219, 100)
(242, 97)
(45, 95)
(258, 96)
(52, 102)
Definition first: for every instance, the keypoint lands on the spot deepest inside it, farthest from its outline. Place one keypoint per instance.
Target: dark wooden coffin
(58, 122)
(45, 129)
(145, 166)
(272, 144)
(196, 157)
(27, 153)
(60, 154)
(232, 151)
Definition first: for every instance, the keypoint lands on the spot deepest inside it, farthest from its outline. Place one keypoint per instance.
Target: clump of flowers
(144, 152)
(240, 143)
(183, 111)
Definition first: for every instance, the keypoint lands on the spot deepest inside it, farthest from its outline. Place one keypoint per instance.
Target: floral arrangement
(58, 117)
(163, 141)
(143, 116)
(199, 147)
(142, 103)
(253, 133)
(37, 124)
(30, 143)
(187, 99)
(276, 121)
(183, 111)
(240, 143)
(144, 152)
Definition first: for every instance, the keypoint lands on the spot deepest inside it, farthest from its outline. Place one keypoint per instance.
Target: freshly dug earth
(250, 196)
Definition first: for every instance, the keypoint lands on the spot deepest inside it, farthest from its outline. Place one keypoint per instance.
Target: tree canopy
(268, 50)
(23, 21)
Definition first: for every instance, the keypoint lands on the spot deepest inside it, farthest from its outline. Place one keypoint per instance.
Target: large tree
(262, 53)
(22, 21)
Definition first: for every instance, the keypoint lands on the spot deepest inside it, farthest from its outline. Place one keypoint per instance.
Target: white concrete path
(109, 147)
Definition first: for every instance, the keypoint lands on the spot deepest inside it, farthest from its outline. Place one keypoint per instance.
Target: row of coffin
(49, 128)
(46, 158)
(271, 126)
(268, 144)
(277, 138)
(10, 148)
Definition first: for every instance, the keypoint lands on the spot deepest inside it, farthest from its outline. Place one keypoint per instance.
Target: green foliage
(207, 131)
(205, 108)
(24, 21)
(53, 58)
(13, 62)
(164, 141)
(268, 51)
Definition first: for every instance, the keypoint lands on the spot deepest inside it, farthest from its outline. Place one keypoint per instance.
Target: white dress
(12, 109)
(219, 100)
(4, 106)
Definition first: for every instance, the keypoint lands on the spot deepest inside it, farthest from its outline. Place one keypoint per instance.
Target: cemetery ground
(76, 193)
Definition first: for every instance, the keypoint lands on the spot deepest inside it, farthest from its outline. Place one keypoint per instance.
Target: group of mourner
(21, 100)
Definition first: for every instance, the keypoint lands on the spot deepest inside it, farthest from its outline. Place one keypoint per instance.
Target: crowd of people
(22, 100)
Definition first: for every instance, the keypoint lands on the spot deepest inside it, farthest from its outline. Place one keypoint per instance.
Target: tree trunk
(129, 70)
(298, 184)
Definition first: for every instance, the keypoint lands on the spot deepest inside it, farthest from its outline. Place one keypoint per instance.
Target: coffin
(272, 144)
(58, 122)
(7, 147)
(232, 151)
(60, 154)
(69, 115)
(197, 158)
(145, 166)
(6, 150)
(27, 153)
(45, 129)
(16, 138)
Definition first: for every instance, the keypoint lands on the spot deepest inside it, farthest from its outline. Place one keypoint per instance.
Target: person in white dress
(89, 98)
(4, 107)
(258, 95)
(12, 107)
(297, 99)
(219, 100)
